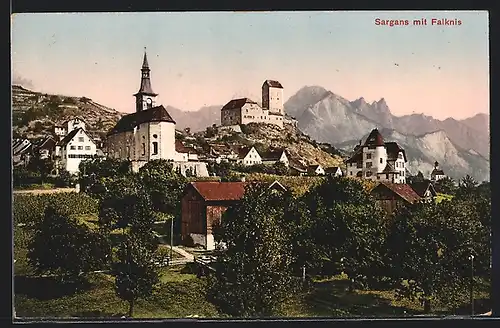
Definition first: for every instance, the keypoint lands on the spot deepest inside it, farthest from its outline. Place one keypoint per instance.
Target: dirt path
(44, 191)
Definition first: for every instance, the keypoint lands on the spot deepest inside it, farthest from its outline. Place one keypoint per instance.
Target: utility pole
(472, 284)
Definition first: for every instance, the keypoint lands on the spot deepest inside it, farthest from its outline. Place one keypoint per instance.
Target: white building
(245, 111)
(437, 174)
(378, 160)
(74, 148)
(273, 156)
(147, 134)
(248, 156)
(60, 130)
(315, 170)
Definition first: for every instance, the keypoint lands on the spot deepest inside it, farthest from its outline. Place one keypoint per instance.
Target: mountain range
(460, 146)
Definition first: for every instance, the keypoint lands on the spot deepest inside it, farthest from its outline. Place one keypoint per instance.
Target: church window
(155, 148)
(381, 160)
(387, 176)
(143, 148)
(155, 136)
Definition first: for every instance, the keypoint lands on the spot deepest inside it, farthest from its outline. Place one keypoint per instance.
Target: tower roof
(145, 60)
(145, 88)
(374, 139)
(273, 84)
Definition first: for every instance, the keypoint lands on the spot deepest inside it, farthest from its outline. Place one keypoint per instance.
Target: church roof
(130, 121)
(237, 103)
(374, 139)
(145, 63)
(437, 172)
(273, 84)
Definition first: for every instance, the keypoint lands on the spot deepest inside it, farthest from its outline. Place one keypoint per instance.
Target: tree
(63, 246)
(164, 186)
(127, 208)
(445, 186)
(97, 173)
(253, 269)
(428, 250)
(419, 177)
(466, 187)
(346, 227)
(280, 168)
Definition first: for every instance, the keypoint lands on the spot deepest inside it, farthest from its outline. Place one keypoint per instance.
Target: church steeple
(145, 97)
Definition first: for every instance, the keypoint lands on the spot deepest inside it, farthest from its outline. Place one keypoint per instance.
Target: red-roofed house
(391, 195)
(378, 160)
(203, 204)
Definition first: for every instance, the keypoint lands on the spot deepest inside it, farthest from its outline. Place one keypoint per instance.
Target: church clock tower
(145, 98)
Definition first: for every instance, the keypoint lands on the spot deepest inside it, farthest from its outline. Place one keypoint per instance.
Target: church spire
(145, 60)
(145, 97)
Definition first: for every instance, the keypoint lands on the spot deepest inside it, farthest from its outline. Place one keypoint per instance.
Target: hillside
(34, 114)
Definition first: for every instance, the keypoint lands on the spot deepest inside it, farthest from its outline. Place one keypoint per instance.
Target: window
(381, 160)
(81, 139)
(387, 176)
(155, 136)
(72, 147)
(143, 148)
(87, 147)
(378, 177)
(368, 156)
(368, 165)
(80, 147)
(155, 148)
(81, 131)
(369, 173)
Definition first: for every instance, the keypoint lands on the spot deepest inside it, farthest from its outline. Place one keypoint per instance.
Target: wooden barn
(391, 195)
(203, 204)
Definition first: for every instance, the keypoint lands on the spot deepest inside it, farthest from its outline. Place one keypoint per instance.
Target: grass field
(440, 197)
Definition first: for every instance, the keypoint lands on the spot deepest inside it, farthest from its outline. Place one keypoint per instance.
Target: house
(222, 153)
(378, 160)
(245, 110)
(392, 195)
(203, 204)
(271, 157)
(248, 156)
(425, 189)
(21, 151)
(297, 168)
(147, 134)
(334, 171)
(78, 145)
(315, 170)
(437, 174)
(183, 153)
(46, 147)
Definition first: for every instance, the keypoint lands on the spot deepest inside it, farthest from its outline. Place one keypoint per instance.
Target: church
(149, 132)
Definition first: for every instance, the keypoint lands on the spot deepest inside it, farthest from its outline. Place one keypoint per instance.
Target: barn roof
(130, 121)
(237, 103)
(223, 191)
(403, 190)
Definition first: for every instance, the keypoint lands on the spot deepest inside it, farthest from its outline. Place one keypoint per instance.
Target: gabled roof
(130, 121)
(242, 151)
(421, 187)
(357, 156)
(296, 165)
(313, 168)
(272, 84)
(273, 155)
(226, 191)
(389, 168)
(332, 169)
(437, 172)
(180, 148)
(237, 103)
(393, 150)
(374, 139)
(47, 143)
(403, 190)
(72, 134)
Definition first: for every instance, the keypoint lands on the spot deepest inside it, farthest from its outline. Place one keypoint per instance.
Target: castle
(149, 133)
(378, 160)
(244, 110)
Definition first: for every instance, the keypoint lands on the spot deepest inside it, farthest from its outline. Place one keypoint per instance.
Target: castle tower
(272, 97)
(436, 165)
(145, 98)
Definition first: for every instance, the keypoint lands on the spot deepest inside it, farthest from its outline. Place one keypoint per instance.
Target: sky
(208, 58)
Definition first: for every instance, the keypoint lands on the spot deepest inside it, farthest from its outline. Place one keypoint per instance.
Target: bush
(29, 208)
